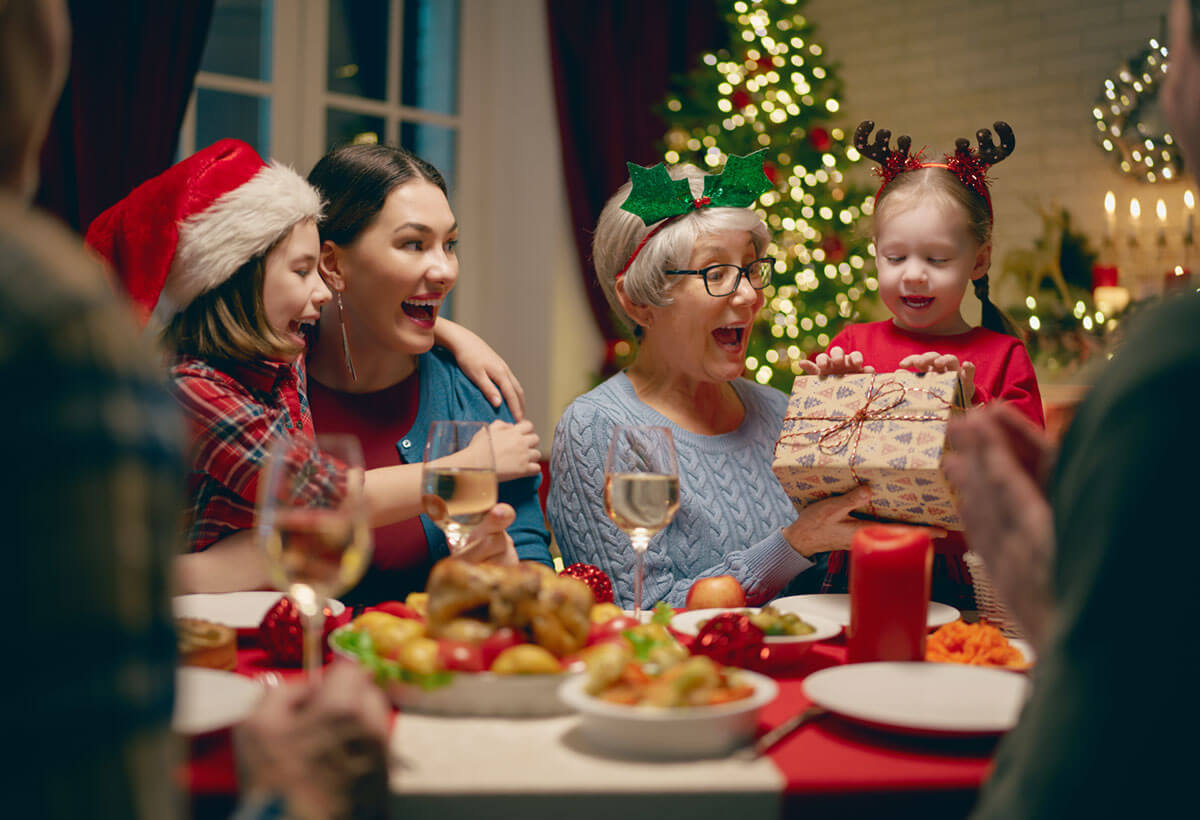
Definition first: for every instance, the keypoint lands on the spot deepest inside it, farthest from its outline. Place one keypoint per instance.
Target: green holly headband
(656, 196)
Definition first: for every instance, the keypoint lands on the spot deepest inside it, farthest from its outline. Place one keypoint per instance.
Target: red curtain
(133, 63)
(613, 62)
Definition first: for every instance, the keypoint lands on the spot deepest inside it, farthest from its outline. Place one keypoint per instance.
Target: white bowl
(483, 694)
(475, 694)
(661, 733)
(784, 648)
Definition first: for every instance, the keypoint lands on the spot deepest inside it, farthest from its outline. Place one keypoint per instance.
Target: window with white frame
(295, 78)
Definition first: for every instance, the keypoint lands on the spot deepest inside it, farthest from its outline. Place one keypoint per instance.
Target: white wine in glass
(641, 490)
(313, 526)
(458, 480)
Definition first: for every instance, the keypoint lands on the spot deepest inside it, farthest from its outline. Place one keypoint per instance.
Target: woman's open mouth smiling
(422, 310)
(730, 336)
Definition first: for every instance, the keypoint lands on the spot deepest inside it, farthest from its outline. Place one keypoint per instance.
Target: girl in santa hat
(221, 252)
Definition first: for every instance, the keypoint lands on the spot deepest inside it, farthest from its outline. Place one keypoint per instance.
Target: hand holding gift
(934, 362)
(885, 430)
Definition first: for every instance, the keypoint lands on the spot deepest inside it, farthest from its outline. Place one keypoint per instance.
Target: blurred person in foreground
(1095, 553)
(93, 447)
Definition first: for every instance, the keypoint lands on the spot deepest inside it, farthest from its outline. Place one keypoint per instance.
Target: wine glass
(458, 480)
(641, 489)
(313, 527)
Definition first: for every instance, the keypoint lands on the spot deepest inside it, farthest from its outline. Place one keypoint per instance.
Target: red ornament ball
(730, 639)
(772, 172)
(819, 138)
(835, 251)
(282, 635)
(741, 99)
(594, 577)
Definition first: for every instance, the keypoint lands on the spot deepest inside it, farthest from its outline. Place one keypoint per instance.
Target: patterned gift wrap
(887, 430)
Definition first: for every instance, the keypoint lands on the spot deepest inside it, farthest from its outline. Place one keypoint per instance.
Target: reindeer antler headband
(969, 165)
(655, 196)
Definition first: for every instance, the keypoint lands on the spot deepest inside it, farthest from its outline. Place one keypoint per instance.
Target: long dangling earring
(345, 341)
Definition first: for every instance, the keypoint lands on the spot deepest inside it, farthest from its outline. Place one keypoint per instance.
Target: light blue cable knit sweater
(731, 507)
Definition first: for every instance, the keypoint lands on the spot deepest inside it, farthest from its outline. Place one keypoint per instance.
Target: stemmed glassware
(458, 480)
(313, 526)
(641, 489)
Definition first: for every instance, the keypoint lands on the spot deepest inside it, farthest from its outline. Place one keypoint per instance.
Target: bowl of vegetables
(645, 696)
(500, 675)
(786, 635)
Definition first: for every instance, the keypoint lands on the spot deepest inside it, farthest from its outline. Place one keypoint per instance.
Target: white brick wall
(939, 69)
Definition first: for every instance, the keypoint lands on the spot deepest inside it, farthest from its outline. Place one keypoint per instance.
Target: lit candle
(1160, 208)
(889, 593)
(1135, 220)
(1110, 215)
(1189, 200)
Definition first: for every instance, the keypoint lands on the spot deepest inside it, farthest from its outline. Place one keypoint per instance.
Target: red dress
(1003, 372)
(401, 559)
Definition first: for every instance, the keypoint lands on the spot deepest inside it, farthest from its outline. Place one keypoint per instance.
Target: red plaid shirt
(234, 413)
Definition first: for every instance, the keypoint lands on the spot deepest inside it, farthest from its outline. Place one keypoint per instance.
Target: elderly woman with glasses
(682, 260)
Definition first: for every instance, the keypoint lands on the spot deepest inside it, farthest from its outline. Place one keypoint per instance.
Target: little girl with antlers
(932, 233)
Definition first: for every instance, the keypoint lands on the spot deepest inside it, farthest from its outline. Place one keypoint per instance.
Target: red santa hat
(190, 228)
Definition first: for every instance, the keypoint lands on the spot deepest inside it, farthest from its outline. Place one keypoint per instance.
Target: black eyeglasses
(722, 280)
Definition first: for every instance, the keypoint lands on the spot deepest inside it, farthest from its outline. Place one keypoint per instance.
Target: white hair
(618, 233)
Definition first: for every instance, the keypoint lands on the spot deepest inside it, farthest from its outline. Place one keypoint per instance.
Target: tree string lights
(1121, 131)
(773, 89)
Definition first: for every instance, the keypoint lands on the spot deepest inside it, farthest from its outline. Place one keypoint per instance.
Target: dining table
(447, 767)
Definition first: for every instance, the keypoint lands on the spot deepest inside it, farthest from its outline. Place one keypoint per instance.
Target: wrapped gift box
(887, 430)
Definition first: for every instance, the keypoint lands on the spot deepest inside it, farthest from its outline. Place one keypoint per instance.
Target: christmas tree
(773, 88)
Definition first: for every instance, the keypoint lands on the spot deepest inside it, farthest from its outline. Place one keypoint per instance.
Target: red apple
(497, 642)
(460, 656)
(721, 591)
(398, 609)
(610, 630)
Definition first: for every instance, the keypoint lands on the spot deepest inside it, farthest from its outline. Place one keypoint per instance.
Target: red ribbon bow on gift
(881, 399)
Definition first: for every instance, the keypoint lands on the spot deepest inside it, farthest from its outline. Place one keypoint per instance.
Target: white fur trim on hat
(237, 227)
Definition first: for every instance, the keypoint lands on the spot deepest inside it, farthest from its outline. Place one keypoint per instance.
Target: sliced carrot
(980, 644)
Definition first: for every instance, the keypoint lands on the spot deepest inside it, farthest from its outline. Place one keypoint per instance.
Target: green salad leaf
(663, 613)
(359, 644)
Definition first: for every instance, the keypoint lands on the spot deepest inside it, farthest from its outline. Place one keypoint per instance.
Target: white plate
(240, 610)
(836, 607)
(210, 699)
(662, 733)
(921, 698)
(645, 617)
(689, 624)
(475, 694)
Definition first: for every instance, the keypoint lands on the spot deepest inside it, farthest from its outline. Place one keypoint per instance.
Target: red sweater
(1003, 370)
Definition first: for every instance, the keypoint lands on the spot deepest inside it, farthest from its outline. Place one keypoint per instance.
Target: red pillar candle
(889, 593)
(1178, 278)
(1104, 276)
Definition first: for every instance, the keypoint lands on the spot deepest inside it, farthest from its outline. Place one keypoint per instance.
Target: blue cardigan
(446, 393)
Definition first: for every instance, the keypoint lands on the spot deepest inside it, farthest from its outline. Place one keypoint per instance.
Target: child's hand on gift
(933, 362)
(835, 363)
